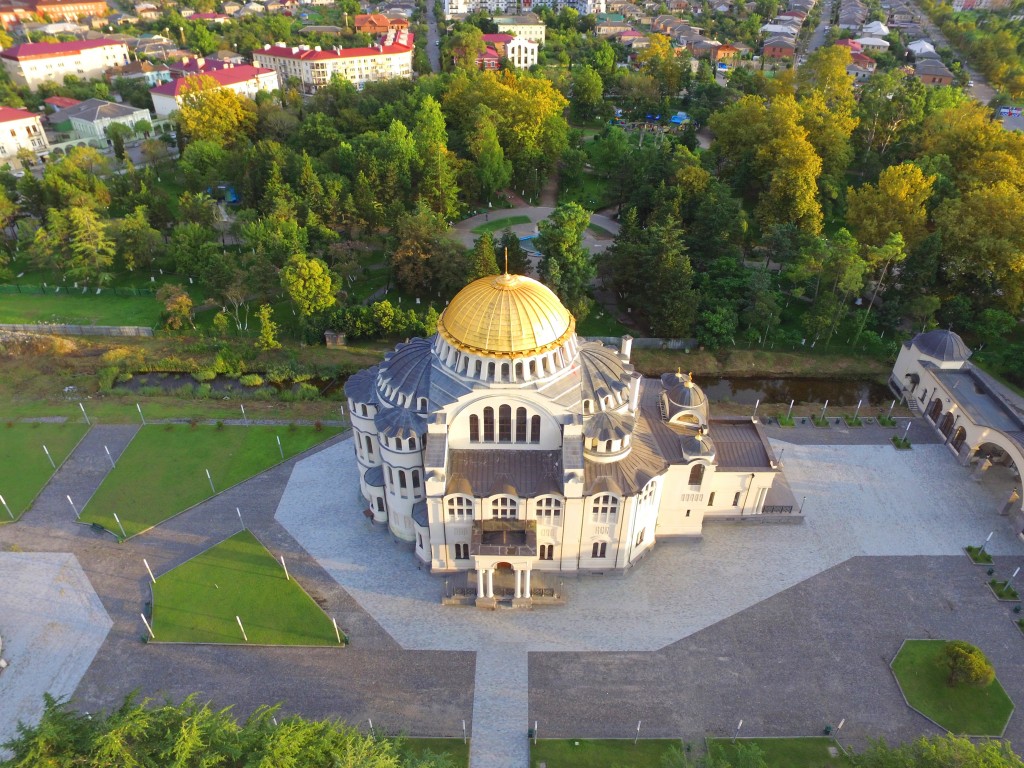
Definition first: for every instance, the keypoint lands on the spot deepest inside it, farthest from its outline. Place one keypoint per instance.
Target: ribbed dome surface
(505, 315)
(942, 345)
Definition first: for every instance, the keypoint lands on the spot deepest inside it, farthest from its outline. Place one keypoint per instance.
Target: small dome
(682, 391)
(609, 426)
(504, 316)
(942, 345)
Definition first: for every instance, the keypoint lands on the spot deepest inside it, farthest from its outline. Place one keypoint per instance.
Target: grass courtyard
(80, 309)
(197, 602)
(820, 752)
(455, 749)
(163, 470)
(601, 753)
(498, 224)
(24, 468)
(922, 674)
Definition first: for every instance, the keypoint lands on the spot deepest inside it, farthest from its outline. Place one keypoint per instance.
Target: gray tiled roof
(940, 344)
(399, 422)
(609, 426)
(739, 445)
(489, 471)
(419, 513)
(601, 371)
(360, 386)
(374, 477)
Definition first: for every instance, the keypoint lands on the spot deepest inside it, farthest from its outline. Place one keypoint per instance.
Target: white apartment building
(528, 27)
(244, 80)
(20, 129)
(453, 7)
(316, 67)
(31, 64)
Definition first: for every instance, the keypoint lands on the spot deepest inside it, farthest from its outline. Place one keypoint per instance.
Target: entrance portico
(506, 546)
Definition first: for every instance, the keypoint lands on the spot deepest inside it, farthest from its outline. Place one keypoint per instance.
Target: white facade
(20, 129)
(506, 441)
(585, 7)
(528, 30)
(522, 52)
(32, 64)
(244, 80)
(91, 118)
(316, 67)
(933, 376)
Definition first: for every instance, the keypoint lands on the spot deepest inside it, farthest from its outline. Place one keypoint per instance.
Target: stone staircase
(914, 406)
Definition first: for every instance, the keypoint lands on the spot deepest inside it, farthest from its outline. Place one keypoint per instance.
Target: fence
(647, 343)
(78, 330)
(58, 290)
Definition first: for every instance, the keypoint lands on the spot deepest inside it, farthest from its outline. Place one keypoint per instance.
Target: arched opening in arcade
(993, 467)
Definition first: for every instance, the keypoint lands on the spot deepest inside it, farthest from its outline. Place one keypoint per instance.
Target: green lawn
(502, 223)
(79, 309)
(785, 753)
(600, 753)
(24, 469)
(454, 748)
(599, 231)
(197, 602)
(592, 192)
(600, 323)
(163, 470)
(922, 675)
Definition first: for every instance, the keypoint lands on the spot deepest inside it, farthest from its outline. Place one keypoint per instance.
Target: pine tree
(483, 261)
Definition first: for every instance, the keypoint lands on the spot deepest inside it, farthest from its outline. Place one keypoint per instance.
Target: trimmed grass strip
(163, 470)
(197, 602)
(922, 675)
(812, 752)
(601, 753)
(499, 224)
(455, 749)
(24, 468)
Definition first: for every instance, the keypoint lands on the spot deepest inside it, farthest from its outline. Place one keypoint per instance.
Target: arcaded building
(507, 442)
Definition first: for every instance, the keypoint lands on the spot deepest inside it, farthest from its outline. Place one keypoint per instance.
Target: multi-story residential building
(455, 7)
(31, 64)
(316, 67)
(527, 26)
(244, 80)
(153, 74)
(91, 118)
(20, 129)
(379, 24)
(56, 10)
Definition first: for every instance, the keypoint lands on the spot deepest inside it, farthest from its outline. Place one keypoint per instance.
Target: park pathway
(80, 475)
(501, 709)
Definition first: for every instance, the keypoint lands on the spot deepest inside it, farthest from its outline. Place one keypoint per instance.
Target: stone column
(480, 576)
(490, 582)
(982, 467)
(526, 585)
(519, 583)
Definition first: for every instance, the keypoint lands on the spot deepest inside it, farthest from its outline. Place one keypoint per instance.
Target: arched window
(549, 510)
(369, 445)
(415, 478)
(504, 508)
(535, 429)
(520, 425)
(490, 371)
(403, 486)
(474, 428)
(505, 424)
(460, 507)
(605, 509)
(519, 371)
(697, 474)
(412, 443)
(533, 369)
(479, 368)
(488, 424)
(607, 446)
(504, 371)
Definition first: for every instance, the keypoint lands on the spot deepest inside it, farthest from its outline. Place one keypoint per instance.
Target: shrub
(220, 424)
(251, 380)
(968, 665)
(204, 391)
(307, 392)
(277, 374)
(193, 422)
(318, 426)
(106, 377)
(123, 377)
(205, 374)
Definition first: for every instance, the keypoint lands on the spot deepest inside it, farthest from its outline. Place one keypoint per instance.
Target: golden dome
(505, 316)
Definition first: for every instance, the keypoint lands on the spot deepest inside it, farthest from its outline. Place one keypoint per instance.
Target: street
(433, 39)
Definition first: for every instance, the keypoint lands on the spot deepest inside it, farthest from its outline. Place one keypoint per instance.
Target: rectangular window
(640, 537)
(711, 499)
(547, 551)
(599, 549)
(736, 499)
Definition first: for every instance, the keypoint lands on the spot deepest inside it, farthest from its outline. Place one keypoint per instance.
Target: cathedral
(507, 442)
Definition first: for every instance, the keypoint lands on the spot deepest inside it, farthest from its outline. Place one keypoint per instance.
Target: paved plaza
(787, 627)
